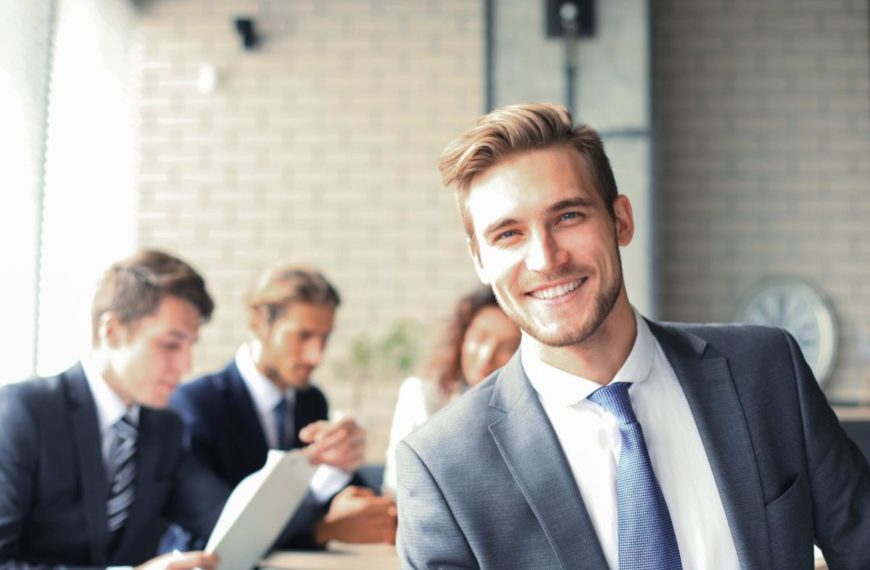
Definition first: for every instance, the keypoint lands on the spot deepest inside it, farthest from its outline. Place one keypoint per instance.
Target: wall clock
(799, 308)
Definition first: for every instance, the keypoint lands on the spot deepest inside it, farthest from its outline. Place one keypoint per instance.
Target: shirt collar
(110, 407)
(263, 392)
(563, 388)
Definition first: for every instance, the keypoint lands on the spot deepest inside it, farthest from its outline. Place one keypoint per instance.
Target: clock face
(798, 308)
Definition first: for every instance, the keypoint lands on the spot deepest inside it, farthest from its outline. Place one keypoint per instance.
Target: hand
(341, 444)
(357, 515)
(197, 560)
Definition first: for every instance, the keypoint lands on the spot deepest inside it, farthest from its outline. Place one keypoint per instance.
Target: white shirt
(110, 408)
(591, 440)
(327, 480)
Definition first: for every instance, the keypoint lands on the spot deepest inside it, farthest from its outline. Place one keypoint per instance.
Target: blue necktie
(280, 411)
(646, 534)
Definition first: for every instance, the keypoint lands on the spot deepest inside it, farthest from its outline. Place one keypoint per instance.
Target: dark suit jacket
(226, 435)
(485, 482)
(53, 486)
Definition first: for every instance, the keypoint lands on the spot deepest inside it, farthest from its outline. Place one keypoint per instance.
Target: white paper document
(259, 508)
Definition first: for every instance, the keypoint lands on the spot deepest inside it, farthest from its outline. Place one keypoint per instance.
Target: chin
(158, 401)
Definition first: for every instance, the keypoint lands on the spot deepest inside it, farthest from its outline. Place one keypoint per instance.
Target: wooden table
(339, 556)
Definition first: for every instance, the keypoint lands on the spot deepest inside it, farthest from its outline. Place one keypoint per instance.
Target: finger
(192, 560)
(309, 432)
(357, 491)
(346, 426)
(336, 450)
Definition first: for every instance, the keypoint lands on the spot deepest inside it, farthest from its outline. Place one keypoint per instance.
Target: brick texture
(763, 156)
(320, 146)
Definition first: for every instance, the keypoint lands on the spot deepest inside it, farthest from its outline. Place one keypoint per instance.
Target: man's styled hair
(283, 284)
(515, 129)
(132, 288)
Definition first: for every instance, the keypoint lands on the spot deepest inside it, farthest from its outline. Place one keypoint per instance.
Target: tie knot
(614, 398)
(281, 406)
(124, 428)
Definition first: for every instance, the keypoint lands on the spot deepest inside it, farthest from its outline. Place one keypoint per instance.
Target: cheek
(469, 356)
(502, 357)
(498, 265)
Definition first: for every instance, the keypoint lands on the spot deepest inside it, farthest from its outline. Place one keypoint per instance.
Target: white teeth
(557, 291)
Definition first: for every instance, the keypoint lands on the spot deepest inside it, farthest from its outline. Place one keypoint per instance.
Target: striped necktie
(122, 467)
(646, 533)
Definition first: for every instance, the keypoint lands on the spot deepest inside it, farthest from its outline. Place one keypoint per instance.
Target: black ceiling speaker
(581, 13)
(247, 32)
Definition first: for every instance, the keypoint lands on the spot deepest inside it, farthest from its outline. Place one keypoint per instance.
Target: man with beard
(611, 441)
(263, 399)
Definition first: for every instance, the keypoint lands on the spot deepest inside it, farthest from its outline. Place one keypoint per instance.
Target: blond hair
(515, 129)
(284, 284)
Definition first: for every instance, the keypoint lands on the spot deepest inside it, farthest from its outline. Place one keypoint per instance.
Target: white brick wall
(763, 113)
(321, 146)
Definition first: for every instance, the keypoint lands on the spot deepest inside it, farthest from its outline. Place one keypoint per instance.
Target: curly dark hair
(445, 364)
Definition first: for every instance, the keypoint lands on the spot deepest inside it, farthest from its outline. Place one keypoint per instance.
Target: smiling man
(264, 399)
(91, 465)
(612, 441)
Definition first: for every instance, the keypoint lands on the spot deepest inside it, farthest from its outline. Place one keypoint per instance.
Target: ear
(474, 252)
(111, 332)
(624, 220)
(259, 321)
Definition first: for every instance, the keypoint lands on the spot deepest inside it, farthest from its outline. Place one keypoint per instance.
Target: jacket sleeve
(839, 476)
(198, 496)
(19, 442)
(428, 536)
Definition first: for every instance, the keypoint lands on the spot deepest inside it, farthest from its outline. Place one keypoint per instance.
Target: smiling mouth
(550, 293)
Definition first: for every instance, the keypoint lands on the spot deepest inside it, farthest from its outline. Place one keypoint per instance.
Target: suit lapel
(92, 473)
(249, 436)
(533, 455)
(709, 388)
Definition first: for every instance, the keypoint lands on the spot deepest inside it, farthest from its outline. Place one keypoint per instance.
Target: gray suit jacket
(485, 482)
(53, 485)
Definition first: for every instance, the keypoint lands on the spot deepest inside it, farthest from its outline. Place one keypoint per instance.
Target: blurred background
(238, 132)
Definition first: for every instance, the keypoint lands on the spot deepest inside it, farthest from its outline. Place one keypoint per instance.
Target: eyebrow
(579, 202)
(182, 336)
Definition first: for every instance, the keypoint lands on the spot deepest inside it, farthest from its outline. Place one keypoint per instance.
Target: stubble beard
(567, 336)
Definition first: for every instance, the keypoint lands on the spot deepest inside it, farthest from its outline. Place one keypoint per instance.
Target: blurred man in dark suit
(91, 464)
(264, 400)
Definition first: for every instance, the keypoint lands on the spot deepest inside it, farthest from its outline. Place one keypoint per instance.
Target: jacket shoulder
(455, 426)
(206, 387)
(730, 339)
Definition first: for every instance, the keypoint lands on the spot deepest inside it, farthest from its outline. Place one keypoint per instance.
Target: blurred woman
(479, 340)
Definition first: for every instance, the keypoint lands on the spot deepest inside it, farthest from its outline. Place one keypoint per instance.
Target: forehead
(529, 182)
(307, 316)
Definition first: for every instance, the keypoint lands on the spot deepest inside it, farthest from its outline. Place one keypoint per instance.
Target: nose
(544, 252)
(313, 352)
(183, 361)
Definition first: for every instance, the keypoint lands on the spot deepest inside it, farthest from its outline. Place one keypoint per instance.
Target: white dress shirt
(591, 440)
(110, 408)
(327, 480)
